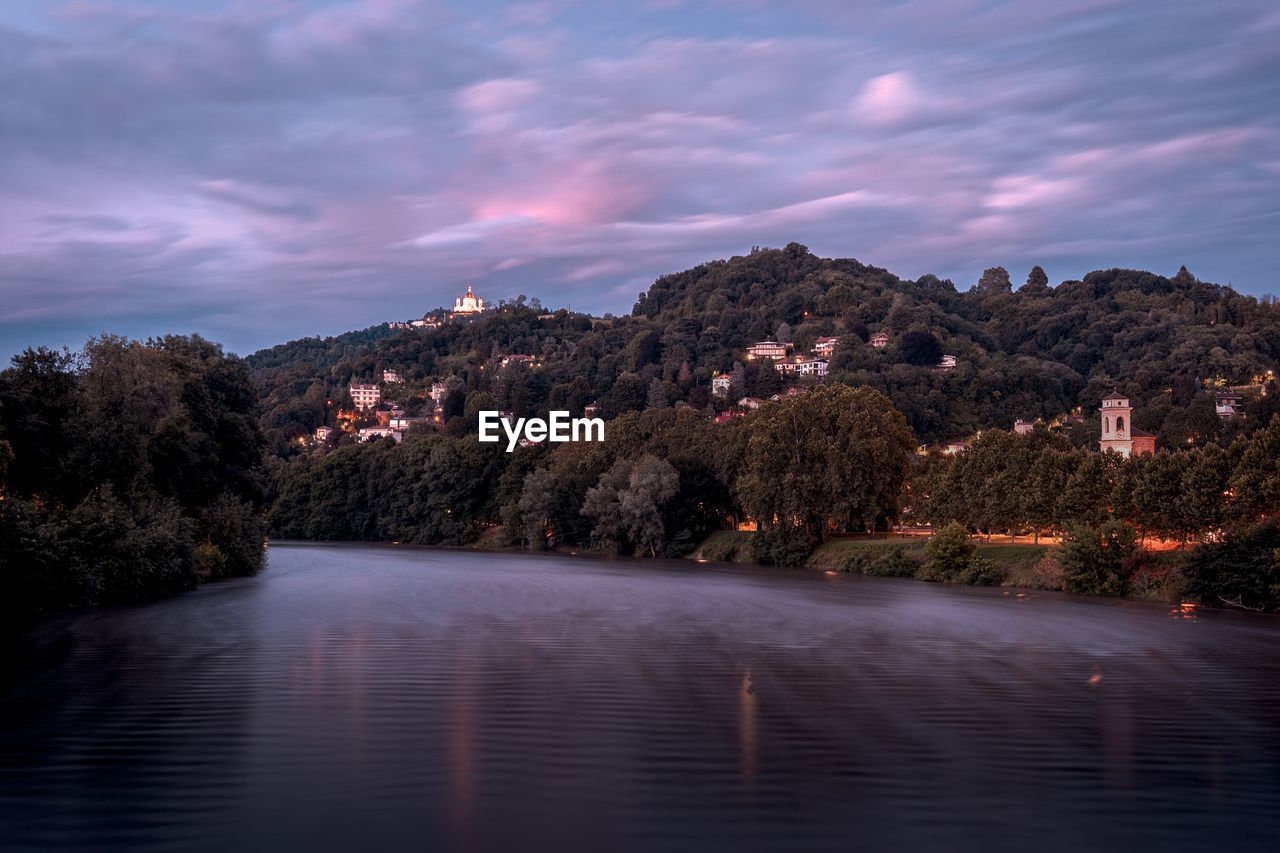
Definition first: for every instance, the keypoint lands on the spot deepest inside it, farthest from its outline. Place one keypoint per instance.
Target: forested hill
(1034, 351)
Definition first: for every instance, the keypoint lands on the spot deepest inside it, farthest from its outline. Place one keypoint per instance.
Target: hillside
(1034, 352)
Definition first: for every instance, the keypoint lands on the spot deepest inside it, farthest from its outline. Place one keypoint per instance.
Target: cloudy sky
(260, 170)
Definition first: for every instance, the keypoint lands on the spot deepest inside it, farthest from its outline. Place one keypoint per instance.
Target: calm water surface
(378, 698)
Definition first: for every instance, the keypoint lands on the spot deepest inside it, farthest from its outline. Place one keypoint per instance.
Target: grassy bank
(1019, 564)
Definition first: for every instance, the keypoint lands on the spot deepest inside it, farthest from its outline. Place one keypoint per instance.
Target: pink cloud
(889, 99)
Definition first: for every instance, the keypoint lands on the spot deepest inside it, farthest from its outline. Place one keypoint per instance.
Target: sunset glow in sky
(261, 171)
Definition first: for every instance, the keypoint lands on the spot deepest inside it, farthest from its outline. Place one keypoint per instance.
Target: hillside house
(364, 396)
(1228, 405)
(768, 349)
(803, 367)
(380, 432)
(825, 347)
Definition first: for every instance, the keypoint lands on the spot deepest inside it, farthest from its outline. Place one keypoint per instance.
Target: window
(1119, 424)
(1106, 424)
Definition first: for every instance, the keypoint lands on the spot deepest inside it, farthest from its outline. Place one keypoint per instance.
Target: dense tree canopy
(1039, 351)
(130, 469)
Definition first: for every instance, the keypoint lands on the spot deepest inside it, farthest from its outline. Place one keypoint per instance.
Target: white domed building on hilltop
(468, 303)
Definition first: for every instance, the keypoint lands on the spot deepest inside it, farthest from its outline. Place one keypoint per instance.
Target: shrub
(722, 547)
(780, 547)
(682, 543)
(1154, 579)
(948, 555)
(889, 563)
(1048, 573)
(1241, 571)
(1095, 559)
(981, 572)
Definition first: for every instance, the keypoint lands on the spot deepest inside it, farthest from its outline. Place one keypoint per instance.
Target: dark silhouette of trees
(130, 470)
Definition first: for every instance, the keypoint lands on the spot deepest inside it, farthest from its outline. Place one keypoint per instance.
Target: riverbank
(1019, 564)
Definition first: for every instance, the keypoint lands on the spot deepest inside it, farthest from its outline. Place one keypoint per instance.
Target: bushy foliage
(1007, 483)
(948, 553)
(133, 469)
(779, 546)
(887, 563)
(833, 456)
(1243, 570)
(950, 557)
(1096, 561)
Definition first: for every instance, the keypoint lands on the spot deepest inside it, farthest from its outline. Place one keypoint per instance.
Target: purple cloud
(263, 171)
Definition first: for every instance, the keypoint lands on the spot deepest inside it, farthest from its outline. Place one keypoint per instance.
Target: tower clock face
(1120, 432)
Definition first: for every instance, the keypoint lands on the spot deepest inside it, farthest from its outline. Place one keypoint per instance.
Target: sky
(259, 171)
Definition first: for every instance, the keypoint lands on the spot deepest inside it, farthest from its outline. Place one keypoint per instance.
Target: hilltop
(1036, 351)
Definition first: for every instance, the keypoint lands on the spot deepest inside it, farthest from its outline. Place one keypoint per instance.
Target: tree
(657, 397)
(1094, 558)
(628, 394)
(920, 348)
(783, 335)
(126, 470)
(1037, 281)
(1256, 478)
(836, 456)
(948, 552)
(737, 381)
(537, 499)
(627, 502)
(1243, 570)
(994, 280)
(652, 483)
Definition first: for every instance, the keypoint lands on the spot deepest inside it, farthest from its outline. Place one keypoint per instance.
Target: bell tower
(1117, 424)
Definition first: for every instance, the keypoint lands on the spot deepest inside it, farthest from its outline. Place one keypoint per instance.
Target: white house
(768, 349)
(1229, 405)
(948, 362)
(879, 340)
(825, 347)
(720, 383)
(803, 367)
(323, 433)
(508, 360)
(391, 376)
(365, 396)
(380, 432)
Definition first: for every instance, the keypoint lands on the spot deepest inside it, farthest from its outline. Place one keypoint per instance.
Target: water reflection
(382, 698)
(747, 704)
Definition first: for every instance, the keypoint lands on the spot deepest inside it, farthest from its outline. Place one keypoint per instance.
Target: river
(384, 698)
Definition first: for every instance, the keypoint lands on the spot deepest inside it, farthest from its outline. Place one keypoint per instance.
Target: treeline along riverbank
(127, 470)
(835, 460)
